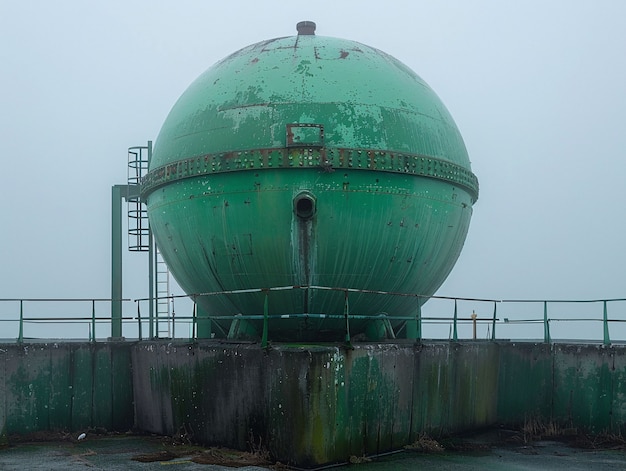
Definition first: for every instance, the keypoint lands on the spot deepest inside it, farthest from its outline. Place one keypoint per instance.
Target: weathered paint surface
(65, 386)
(347, 124)
(525, 386)
(589, 387)
(309, 405)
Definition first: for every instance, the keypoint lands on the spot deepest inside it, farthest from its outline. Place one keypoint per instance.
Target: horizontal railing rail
(55, 312)
(493, 317)
(443, 317)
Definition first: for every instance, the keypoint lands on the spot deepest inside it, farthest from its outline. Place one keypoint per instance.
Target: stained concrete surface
(110, 453)
(542, 456)
(309, 405)
(116, 453)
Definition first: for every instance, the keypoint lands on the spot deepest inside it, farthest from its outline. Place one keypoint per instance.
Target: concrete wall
(65, 386)
(582, 386)
(317, 404)
(309, 405)
(589, 386)
(323, 404)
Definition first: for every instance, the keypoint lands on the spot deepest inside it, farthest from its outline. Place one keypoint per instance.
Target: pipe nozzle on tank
(304, 205)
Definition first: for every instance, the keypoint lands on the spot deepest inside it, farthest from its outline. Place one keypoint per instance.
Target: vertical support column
(152, 280)
(116, 261)
(151, 265)
(607, 340)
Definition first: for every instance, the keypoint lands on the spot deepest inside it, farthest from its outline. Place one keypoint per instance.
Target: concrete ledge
(312, 405)
(309, 405)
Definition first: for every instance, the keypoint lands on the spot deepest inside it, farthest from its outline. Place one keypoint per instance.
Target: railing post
(173, 320)
(419, 319)
(92, 336)
(265, 321)
(607, 340)
(346, 313)
(139, 333)
(155, 330)
(20, 335)
(455, 336)
(474, 316)
(493, 323)
(194, 320)
(546, 323)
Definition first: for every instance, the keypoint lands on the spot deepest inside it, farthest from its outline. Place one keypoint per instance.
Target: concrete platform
(109, 453)
(117, 453)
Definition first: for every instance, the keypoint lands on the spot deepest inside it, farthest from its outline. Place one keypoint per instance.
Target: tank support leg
(414, 326)
(241, 329)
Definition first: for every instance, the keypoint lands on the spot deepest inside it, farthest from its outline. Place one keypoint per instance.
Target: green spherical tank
(309, 161)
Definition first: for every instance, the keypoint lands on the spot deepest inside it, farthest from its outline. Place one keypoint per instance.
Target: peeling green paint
(383, 158)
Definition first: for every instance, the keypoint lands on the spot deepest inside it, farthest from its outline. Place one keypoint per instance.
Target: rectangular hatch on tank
(305, 135)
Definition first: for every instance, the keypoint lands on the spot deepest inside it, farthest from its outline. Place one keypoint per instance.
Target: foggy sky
(537, 89)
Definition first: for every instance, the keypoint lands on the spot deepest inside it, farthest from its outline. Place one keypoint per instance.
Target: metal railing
(64, 314)
(443, 317)
(518, 318)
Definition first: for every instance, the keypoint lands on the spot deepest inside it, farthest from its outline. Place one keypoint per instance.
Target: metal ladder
(163, 311)
(138, 227)
(140, 239)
